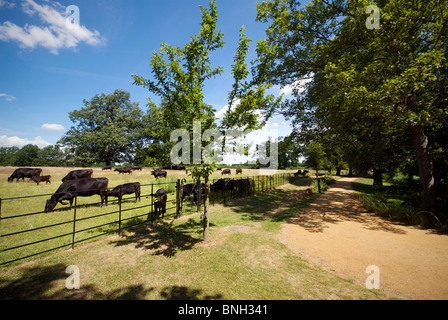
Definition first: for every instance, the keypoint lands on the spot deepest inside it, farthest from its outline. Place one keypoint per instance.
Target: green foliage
(8, 155)
(105, 130)
(32, 155)
(247, 99)
(179, 75)
(203, 171)
(375, 93)
(315, 156)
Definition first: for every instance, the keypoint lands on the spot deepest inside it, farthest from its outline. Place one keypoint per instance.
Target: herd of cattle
(79, 183)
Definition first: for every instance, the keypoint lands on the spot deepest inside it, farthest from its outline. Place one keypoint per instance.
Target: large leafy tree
(106, 129)
(386, 76)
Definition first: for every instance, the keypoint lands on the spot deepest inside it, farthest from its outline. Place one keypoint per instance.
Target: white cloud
(53, 35)
(53, 127)
(297, 86)
(8, 97)
(15, 141)
(221, 112)
(6, 4)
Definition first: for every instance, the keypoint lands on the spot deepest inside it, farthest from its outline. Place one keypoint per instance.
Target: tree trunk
(377, 178)
(338, 171)
(425, 166)
(206, 202)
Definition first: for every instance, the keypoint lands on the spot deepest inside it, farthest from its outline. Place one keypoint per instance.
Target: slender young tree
(179, 75)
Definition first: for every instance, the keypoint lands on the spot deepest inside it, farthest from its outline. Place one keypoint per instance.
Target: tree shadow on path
(339, 205)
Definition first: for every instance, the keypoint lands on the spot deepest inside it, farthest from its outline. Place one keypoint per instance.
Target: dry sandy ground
(337, 233)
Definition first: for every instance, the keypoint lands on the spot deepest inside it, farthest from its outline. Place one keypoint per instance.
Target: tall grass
(385, 201)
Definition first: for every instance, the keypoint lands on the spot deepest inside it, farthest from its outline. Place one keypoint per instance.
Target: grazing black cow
(187, 190)
(107, 168)
(78, 174)
(244, 185)
(127, 188)
(220, 184)
(22, 173)
(218, 169)
(158, 173)
(303, 173)
(192, 189)
(137, 168)
(225, 171)
(84, 187)
(232, 184)
(160, 203)
(124, 170)
(238, 170)
(42, 178)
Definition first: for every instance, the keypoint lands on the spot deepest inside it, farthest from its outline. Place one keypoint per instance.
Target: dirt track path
(337, 233)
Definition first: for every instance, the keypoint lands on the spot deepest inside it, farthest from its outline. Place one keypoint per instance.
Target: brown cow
(39, 179)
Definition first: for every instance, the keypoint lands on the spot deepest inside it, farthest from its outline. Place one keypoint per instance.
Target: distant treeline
(56, 156)
(50, 156)
(32, 155)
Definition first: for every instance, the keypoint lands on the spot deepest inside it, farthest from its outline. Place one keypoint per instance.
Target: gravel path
(339, 234)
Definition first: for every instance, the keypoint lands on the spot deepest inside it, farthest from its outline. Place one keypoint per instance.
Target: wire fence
(31, 233)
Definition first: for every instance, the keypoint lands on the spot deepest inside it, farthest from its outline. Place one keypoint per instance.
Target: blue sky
(46, 69)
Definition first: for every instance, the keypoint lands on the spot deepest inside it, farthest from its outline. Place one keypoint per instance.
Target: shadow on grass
(276, 206)
(164, 238)
(255, 208)
(34, 283)
(48, 283)
(185, 293)
(300, 181)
